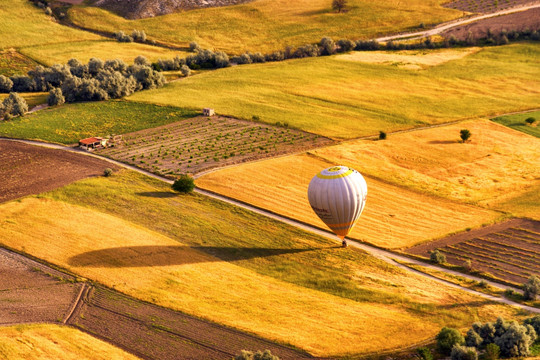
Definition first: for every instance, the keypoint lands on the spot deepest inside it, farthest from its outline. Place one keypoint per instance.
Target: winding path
(384, 255)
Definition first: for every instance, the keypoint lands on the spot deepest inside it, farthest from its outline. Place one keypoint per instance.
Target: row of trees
(96, 80)
(136, 35)
(500, 338)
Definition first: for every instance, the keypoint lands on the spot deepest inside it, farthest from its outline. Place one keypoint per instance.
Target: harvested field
(27, 169)
(31, 292)
(485, 6)
(529, 19)
(508, 251)
(55, 342)
(202, 143)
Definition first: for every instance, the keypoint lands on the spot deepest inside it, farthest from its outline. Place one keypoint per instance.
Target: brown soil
(31, 292)
(27, 169)
(529, 19)
(201, 143)
(486, 6)
(508, 251)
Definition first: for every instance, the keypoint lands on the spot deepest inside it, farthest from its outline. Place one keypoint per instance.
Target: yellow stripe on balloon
(329, 177)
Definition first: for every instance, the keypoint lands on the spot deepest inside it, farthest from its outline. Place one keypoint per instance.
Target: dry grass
(394, 217)
(497, 163)
(268, 25)
(163, 270)
(54, 342)
(105, 50)
(409, 59)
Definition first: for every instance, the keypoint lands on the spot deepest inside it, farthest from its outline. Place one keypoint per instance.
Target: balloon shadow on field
(158, 194)
(143, 256)
(443, 142)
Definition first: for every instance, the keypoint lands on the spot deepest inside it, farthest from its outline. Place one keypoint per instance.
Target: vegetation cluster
(13, 105)
(75, 81)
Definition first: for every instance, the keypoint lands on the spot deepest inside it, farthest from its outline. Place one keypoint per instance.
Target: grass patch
(105, 50)
(268, 25)
(70, 123)
(28, 25)
(346, 99)
(33, 342)
(223, 263)
(13, 63)
(517, 122)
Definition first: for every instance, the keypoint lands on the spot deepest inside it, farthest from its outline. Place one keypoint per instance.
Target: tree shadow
(158, 194)
(153, 255)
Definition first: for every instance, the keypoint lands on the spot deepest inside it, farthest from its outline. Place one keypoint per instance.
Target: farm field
(27, 169)
(201, 143)
(269, 25)
(345, 99)
(386, 221)
(105, 50)
(517, 122)
(32, 99)
(13, 63)
(71, 122)
(200, 256)
(511, 252)
(483, 6)
(28, 25)
(54, 342)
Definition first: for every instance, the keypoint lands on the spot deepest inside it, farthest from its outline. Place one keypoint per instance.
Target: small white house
(92, 143)
(208, 112)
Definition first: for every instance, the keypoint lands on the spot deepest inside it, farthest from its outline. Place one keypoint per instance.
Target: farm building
(92, 143)
(208, 112)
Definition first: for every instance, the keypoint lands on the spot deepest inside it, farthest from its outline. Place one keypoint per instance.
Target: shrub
(473, 339)
(308, 50)
(529, 120)
(14, 105)
(327, 46)
(5, 84)
(141, 60)
(382, 135)
(531, 289)
(22, 84)
(107, 172)
(463, 353)
(492, 352)
(447, 338)
(139, 35)
(184, 184)
(467, 265)
(339, 5)
(259, 355)
(437, 257)
(515, 340)
(465, 135)
(424, 353)
(55, 97)
(194, 47)
(345, 45)
(185, 70)
(48, 11)
(121, 37)
(535, 323)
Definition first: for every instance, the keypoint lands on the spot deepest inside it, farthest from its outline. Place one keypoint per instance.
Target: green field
(105, 50)
(268, 25)
(71, 122)
(342, 98)
(28, 25)
(517, 122)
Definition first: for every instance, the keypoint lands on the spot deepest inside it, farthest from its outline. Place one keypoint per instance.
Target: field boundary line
(77, 304)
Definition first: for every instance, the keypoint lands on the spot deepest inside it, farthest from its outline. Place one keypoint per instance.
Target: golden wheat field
(156, 268)
(54, 342)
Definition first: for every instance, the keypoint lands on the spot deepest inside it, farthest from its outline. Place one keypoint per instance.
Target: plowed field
(509, 251)
(27, 169)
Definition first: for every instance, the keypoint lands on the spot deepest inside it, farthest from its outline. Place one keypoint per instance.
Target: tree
(516, 340)
(424, 353)
(185, 70)
(447, 338)
(107, 172)
(327, 46)
(465, 135)
(184, 184)
(437, 257)
(473, 339)
(141, 60)
(14, 105)
(5, 84)
(531, 289)
(382, 135)
(55, 97)
(339, 5)
(492, 352)
(529, 120)
(463, 353)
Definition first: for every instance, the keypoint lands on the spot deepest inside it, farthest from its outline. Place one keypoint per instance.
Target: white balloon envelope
(338, 196)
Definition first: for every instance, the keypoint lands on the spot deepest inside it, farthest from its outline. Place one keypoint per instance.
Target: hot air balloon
(338, 196)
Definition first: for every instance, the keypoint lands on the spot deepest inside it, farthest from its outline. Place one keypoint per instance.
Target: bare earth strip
(509, 250)
(27, 169)
(31, 292)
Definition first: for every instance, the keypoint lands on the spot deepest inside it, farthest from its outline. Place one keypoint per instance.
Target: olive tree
(531, 289)
(5, 84)
(447, 338)
(55, 97)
